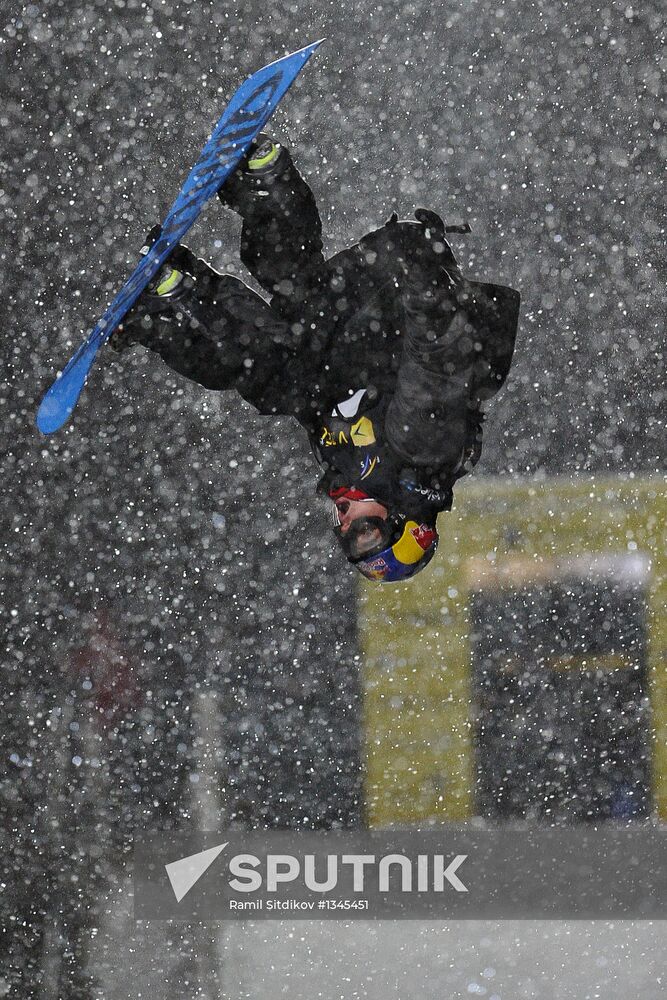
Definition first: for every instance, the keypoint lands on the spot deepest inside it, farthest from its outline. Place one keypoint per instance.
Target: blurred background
(183, 647)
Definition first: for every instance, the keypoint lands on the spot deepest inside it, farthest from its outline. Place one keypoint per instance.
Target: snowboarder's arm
(457, 350)
(428, 418)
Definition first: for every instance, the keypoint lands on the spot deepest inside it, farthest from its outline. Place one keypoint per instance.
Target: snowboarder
(385, 353)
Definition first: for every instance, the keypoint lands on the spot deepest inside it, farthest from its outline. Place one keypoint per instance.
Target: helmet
(387, 550)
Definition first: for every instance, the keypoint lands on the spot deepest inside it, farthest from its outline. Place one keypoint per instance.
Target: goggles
(366, 536)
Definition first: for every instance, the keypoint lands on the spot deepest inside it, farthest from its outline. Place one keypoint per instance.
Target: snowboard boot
(165, 286)
(166, 282)
(265, 160)
(263, 155)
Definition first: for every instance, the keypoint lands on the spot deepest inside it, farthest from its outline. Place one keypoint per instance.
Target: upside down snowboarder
(385, 354)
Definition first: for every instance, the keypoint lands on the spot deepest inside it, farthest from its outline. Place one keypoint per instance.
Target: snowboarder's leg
(281, 240)
(216, 332)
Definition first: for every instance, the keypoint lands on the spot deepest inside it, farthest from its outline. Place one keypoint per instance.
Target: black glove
(434, 229)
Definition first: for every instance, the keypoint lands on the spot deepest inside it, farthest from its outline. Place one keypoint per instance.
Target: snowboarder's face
(349, 510)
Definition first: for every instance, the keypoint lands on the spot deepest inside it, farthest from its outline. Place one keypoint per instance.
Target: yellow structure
(415, 636)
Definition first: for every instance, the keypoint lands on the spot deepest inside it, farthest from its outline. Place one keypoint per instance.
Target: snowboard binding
(265, 161)
(168, 285)
(263, 156)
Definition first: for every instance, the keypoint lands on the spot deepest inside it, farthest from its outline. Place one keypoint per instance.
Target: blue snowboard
(248, 111)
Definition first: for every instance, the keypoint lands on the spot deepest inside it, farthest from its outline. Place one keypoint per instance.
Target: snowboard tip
(50, 416)
(307, 50)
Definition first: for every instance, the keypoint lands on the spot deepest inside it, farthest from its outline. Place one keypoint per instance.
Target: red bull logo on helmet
(406, 557)
(375, 568)
(424, 535)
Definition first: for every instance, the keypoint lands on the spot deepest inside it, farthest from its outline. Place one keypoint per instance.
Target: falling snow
(183, 643)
